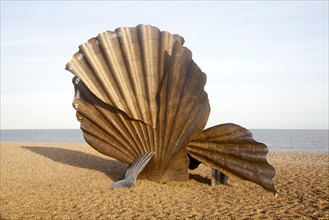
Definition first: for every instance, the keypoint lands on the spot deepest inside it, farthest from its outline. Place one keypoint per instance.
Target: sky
(266, 61)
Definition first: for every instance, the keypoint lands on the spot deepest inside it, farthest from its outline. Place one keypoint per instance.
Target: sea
(276, 139)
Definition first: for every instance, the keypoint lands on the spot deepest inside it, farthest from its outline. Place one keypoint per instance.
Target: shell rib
(182, 110)
(231, 149)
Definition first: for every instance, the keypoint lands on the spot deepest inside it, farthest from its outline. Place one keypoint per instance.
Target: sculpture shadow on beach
(112, 168)
(115, 170)
(199, 178)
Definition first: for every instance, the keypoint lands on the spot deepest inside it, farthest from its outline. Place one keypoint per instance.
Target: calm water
(294, 140)
(276, 140)
(43, 135)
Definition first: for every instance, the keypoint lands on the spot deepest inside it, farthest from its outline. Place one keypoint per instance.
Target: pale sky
(266, 61)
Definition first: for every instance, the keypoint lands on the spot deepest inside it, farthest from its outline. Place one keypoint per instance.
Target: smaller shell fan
(231, 149)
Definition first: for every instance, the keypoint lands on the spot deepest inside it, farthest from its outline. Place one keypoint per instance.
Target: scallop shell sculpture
(140, 99)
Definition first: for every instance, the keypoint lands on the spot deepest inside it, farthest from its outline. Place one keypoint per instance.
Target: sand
(73, 181)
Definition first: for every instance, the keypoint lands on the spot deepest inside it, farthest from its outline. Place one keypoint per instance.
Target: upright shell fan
(140, 99)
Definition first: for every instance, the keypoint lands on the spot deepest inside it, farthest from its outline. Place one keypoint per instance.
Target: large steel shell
(140, 92)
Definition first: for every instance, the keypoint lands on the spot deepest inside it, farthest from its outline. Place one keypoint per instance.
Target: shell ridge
(142, 53)
(97, 144)
(137, 68)
(136, 106)
(102, 127)
(127, 52)
(100, 138)
(82, 69)
(148, 134)
(114, 143)
(99, 107)
(230, 150)
(121, 128)
(164, 119)
(131, 126)
(176, 113)
(151, 135)
(89, 52)
(181, 162)
(143, 86)
(162, 97)
(241, 166)
(169, 95)
(134, 128)
(144, 137)
(184, 95)
(120, 88)
(156, 141)
(161, 116)
(191, 120)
